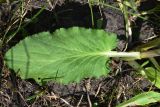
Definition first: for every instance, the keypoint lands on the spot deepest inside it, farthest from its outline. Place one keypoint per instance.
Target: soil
(122, 83)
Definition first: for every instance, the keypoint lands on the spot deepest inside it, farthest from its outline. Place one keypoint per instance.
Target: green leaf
(153, 75)
(67, 55)
(142, 99)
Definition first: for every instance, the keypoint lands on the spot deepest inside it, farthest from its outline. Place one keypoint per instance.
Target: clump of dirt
(121, 84)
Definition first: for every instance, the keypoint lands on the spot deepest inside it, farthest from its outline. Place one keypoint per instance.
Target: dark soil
(123, 83)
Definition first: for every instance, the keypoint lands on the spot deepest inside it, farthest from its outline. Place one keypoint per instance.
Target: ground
(121, 84)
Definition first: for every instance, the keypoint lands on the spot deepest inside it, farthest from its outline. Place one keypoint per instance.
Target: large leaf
(142, 99)
(65, 56)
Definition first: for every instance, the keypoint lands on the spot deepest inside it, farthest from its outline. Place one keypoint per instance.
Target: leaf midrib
(65, 58)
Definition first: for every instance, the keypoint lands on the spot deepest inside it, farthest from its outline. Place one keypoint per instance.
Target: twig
(23, 98)
(66, 102)
(89, 100)
(50, 4)
(55, 97)
(80, 101)
(87, 87)
(97, 92)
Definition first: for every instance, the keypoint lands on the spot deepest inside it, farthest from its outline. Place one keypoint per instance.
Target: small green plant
(69, 55)
(65, 56)
(79, 51)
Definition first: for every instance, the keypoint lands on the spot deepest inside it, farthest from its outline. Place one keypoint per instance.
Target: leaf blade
(142, 99)
(70, 54)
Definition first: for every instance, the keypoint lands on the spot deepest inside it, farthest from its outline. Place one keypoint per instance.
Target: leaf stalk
(135, 55)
